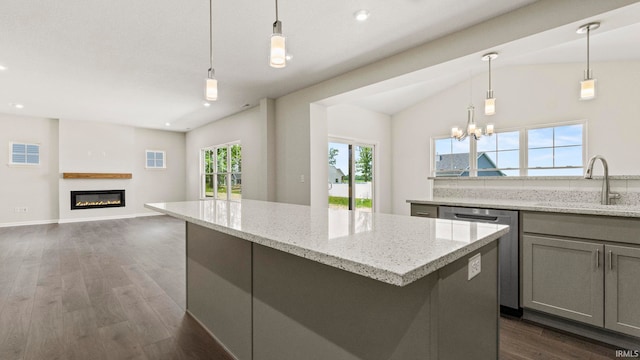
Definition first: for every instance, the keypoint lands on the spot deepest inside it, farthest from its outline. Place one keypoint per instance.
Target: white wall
(34, 187)
(159, 185)
(358, 124)
(299, 138)
(92, 147)
(254, 129)
(526, 95)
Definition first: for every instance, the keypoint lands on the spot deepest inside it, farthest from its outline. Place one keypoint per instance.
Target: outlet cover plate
(475, 266)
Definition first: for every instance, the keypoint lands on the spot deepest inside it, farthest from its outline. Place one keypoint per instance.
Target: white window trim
(376, 162)
(12, 164)
(203, 174)
(525, 154)
(524, 160)
(164, 160)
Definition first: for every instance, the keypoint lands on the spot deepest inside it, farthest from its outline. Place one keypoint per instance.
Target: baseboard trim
(27, 223)
(619, 340)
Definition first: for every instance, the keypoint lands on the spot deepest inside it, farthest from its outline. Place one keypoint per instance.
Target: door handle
(597, 258)
(610, 260)
(422, 213)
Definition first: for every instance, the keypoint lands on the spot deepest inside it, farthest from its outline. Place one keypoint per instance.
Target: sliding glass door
(351, 179)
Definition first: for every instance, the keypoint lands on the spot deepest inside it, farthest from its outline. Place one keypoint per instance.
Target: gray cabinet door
(622, 299)
(564, 278)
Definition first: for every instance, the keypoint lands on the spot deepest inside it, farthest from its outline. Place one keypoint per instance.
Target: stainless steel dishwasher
(509, 268)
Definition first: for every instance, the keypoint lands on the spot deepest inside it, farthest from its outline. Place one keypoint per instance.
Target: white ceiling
(617, 39)
(144, 62)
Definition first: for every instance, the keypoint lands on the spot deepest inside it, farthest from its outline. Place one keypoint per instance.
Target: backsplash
(538, 189)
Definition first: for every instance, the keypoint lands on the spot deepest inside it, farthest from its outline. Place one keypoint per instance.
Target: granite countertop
(545, 206)
(395, 249)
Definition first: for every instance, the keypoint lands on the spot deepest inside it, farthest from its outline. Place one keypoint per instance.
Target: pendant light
(490, 101)
(278, 53)
(588, 85)
(472, 128)
(211, 86)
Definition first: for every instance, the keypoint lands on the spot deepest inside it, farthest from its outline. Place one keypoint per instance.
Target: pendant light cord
(588, 70)
(489, 73)
(276, 10)
(210, 37)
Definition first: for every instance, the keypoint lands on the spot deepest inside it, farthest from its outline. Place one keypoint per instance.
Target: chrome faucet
(607, 195)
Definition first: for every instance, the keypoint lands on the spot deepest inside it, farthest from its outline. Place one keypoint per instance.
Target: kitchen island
(281, 281)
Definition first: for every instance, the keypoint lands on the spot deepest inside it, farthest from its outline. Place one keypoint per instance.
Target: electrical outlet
(475, 266)
(21, 209)
(301, 178)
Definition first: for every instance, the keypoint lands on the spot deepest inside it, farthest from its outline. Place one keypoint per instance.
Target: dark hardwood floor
(115, 290)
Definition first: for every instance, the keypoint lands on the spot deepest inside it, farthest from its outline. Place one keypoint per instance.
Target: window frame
(525, 156)
(26, 144)
(164, 159)
(227, 174)
(374, 145)
(523, 150)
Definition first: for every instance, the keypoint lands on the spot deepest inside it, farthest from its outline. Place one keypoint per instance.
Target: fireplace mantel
(97, 175)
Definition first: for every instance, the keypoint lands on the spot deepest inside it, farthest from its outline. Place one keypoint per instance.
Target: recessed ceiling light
(361, 15)
(2, 68)
(17, 106)
(206, 104)
(167, 124)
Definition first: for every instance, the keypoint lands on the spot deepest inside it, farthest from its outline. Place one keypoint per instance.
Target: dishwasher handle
(484, 218)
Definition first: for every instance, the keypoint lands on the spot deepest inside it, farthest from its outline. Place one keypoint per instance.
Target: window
(538, 151)
(221, 171)
(24, 154)
(451, 157)
(499, 155)
(351, 175)
(555, 150)
(155, 159)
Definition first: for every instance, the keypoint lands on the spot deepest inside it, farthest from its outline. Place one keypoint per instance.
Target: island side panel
(219, 287)
(306, 310)
(469, 310)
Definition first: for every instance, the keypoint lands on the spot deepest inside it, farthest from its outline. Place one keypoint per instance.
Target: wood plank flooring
(98, 290)
(116, 290)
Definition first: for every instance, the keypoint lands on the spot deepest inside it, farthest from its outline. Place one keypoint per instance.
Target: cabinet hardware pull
(597, 258)
(422, 213)
(610, 260)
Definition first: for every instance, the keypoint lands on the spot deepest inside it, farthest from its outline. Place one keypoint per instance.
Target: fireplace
(96, 199)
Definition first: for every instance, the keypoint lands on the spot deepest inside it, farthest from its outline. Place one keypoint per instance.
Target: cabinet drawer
(424, 210)
(610, 228)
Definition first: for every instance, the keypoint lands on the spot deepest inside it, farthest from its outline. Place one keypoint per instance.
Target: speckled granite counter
(544, 206)
(391, 248)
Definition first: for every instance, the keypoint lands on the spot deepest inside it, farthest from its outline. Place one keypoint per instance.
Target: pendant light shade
(490, 101)
(277, 56)
(587, 89)
(211, 88)
(588, 85)
(211, 84)
(278, 49)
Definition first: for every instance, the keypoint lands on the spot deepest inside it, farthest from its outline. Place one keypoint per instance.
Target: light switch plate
(475, 266)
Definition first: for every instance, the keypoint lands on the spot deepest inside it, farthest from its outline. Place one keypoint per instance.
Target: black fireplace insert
(97, 199)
